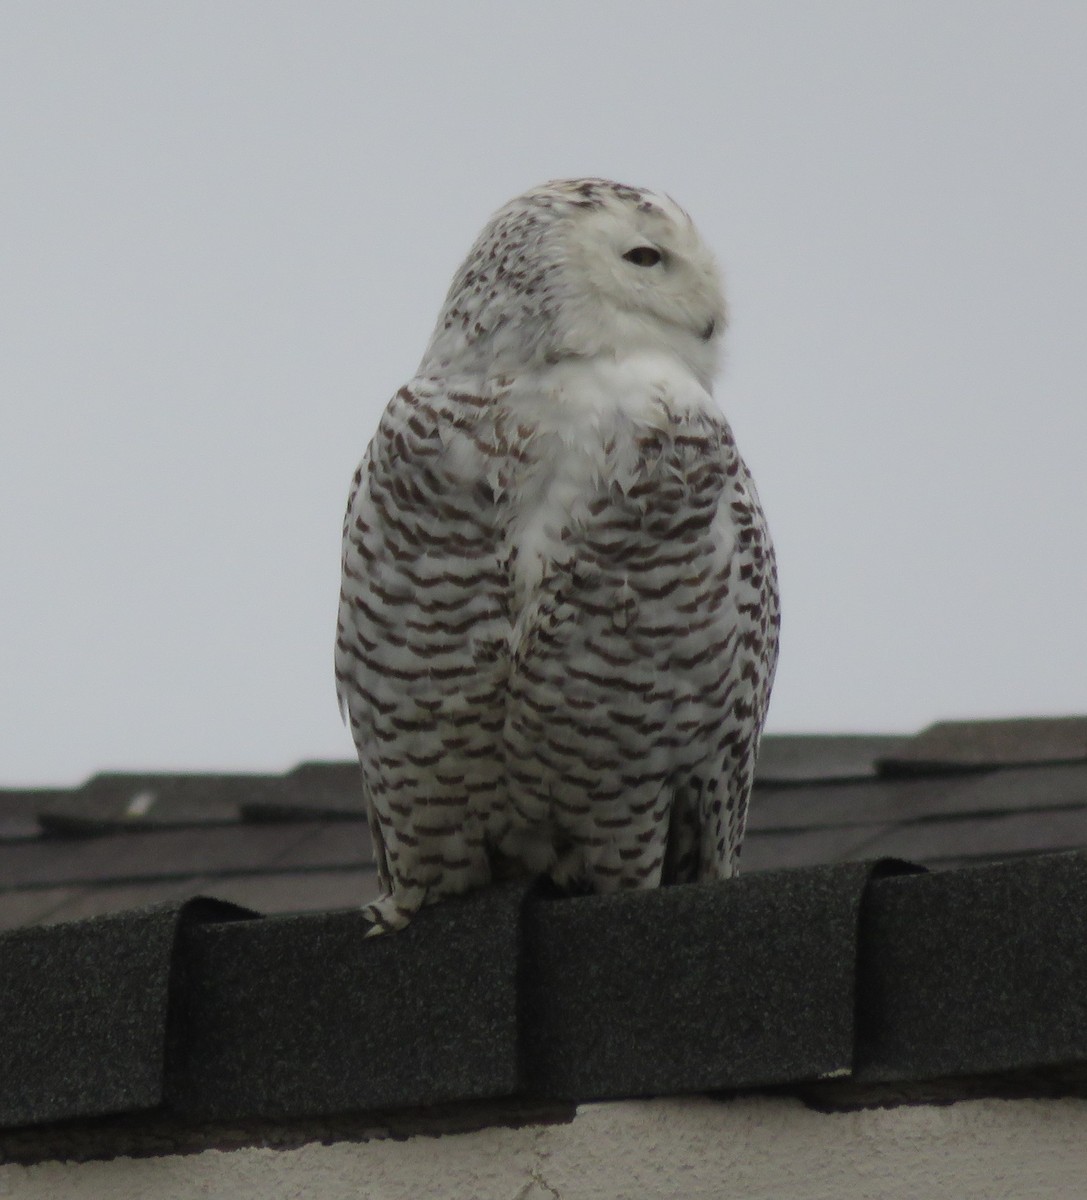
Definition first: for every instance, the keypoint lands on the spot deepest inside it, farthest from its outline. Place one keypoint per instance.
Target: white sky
(226, 229)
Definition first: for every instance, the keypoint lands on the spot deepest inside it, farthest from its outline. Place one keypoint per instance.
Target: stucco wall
(758, 1148)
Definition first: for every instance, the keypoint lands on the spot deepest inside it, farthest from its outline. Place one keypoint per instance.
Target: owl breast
(643, 634)
(585, 438)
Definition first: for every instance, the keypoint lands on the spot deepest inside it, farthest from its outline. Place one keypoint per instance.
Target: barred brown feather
(558, 620)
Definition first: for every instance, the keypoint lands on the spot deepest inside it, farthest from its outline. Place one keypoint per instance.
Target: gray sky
(226, 229)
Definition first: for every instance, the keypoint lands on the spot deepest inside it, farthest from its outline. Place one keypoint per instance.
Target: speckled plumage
(558, 621)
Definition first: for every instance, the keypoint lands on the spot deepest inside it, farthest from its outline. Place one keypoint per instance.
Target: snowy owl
(558, 623)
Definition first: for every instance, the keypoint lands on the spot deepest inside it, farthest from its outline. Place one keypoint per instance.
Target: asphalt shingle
(297, 1015)
(31, 905)
(970, 745)
(693, 988)
(767, 980)
(926, 798)
(799, 759)
(130, 856)
(507, 992)
(775, 850)
(1001, 836)
(975, 971)
(328, 791)
(115, 801)
(82, 1014)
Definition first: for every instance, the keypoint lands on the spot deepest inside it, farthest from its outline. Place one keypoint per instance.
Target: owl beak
(709, 330)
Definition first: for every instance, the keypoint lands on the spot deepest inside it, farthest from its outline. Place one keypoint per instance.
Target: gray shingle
(837, 805)
(750, 982)
(19, 809)
(85, 902)
(975, 971)
(908, 799)
(979, 837)
(83, 1011)
(967, 745)
(298, 891)
(128, 856)
(17, 828)
(776, 851)
(820, 758)
(337, 844)
(115, 801)
(296, 1015)
(684, 989)
(327, 790)
(34, 904)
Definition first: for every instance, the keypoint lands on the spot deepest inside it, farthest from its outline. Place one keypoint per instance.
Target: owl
(558, 621)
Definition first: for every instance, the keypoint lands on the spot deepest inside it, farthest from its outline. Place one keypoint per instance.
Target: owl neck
(526, 342)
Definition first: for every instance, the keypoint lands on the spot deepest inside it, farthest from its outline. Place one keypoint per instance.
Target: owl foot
(393, 911)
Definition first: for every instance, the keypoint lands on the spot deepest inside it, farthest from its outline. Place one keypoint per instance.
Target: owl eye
(643, 256)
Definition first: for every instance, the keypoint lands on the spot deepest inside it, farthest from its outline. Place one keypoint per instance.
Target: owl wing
(420, 648)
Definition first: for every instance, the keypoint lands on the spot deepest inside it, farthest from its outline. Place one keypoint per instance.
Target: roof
(831, 958)
(954, 794)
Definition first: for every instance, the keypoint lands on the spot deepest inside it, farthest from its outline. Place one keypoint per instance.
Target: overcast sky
(226, 229)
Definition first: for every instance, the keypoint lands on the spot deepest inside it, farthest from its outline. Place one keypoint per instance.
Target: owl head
(582, 268)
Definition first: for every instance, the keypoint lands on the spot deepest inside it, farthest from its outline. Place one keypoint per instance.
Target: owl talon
(392, 911)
